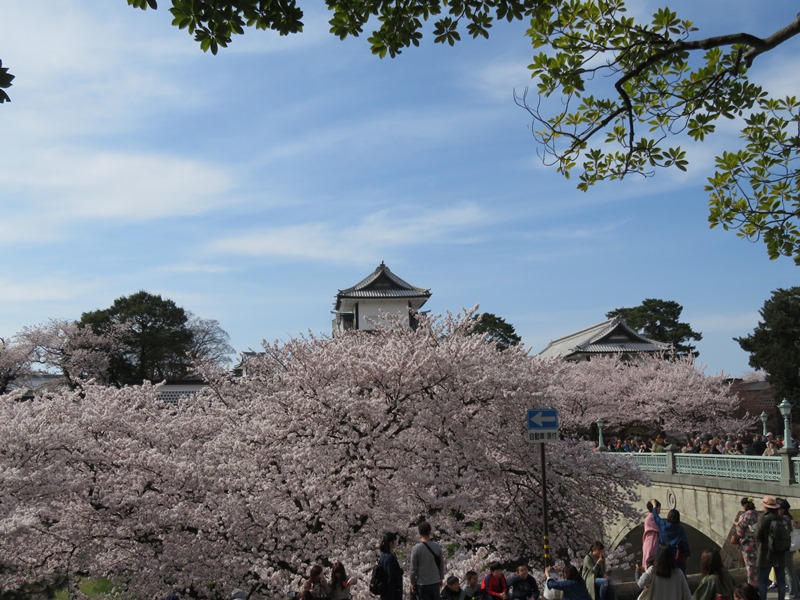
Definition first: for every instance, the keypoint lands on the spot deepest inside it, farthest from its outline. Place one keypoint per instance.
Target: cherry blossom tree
(76, 353)
(665, 394)
(323, 444)
(16, 356)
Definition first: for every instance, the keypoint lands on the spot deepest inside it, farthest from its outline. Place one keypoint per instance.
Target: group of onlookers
(747, 444)
(765, 540)
(335, 588)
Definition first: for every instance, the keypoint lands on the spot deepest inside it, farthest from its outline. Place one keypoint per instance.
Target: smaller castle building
(379, 294)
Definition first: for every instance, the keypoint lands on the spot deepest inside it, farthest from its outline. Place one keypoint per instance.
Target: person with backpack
(494, 585)
(427, 566)
(387, 576)
(774, 539)
(792, 582)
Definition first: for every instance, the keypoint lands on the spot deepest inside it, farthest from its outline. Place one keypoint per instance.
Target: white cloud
(359, 242)
(85, 184)
(37, 290)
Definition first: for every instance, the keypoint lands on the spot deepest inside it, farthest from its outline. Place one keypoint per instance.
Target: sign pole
(545, 536)
(542, 429)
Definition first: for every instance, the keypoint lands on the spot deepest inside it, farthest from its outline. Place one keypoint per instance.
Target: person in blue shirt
(671, 533)
(522, 586)
(572, 586)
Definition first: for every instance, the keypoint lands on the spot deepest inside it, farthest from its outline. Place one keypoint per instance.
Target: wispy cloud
(84, 184)
(360, 242)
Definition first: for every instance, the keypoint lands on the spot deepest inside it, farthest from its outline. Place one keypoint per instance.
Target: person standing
(393, 590)
(427, 566)
(651, 533)
(746, 524)
(767, 558)
(671, 532)
(792, 583)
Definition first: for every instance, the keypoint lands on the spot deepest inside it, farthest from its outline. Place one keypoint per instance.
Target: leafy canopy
(774, 345)
(615, 96)
(660, 320)
(496, 329)
(156, 339)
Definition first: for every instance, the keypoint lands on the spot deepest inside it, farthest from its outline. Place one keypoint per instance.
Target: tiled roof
(382, 283)
(609, 337)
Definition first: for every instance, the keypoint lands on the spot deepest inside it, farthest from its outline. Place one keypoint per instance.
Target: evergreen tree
(774, 345)
(496, 330)
(154, 338)
(659, 321)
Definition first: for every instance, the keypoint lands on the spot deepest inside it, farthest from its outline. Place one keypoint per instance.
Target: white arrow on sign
(540, 419)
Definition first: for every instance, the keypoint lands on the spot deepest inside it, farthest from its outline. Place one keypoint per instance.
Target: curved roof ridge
(382, 269)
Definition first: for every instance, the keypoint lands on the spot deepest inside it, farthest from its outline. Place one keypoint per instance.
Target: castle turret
(380, 293)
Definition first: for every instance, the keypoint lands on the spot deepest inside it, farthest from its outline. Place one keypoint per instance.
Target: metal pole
(545, 536)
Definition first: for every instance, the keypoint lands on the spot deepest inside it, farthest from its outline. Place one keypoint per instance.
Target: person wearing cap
(238, 595)
(767, 560)
(792, 583)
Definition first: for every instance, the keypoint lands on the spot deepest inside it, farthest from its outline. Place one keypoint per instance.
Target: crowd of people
(764, 538)
(747, 444)
(765, 541)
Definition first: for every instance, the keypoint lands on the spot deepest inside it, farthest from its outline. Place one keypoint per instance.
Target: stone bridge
(707, 489)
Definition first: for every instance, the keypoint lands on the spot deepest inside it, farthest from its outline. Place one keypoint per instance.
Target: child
(494, 584)
(452, 589)
(471, 588)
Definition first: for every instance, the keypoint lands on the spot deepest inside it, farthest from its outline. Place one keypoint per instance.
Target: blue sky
(250, 186)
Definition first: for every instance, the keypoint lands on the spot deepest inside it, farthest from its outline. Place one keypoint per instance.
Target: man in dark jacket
(768, 560)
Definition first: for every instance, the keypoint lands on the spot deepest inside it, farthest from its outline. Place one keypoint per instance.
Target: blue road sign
(542, 419)
(542, 425)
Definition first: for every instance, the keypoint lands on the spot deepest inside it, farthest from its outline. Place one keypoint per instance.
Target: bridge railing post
(670, 452)
(787, 469)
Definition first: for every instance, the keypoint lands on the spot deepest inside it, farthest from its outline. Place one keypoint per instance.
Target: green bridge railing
(782, 469)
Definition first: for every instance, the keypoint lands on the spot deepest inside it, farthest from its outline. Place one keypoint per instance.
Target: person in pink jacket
(651, 533)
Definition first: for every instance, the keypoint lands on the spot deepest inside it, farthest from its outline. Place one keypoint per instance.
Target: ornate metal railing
(653, 462)
(755, 468)
(760, 468)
